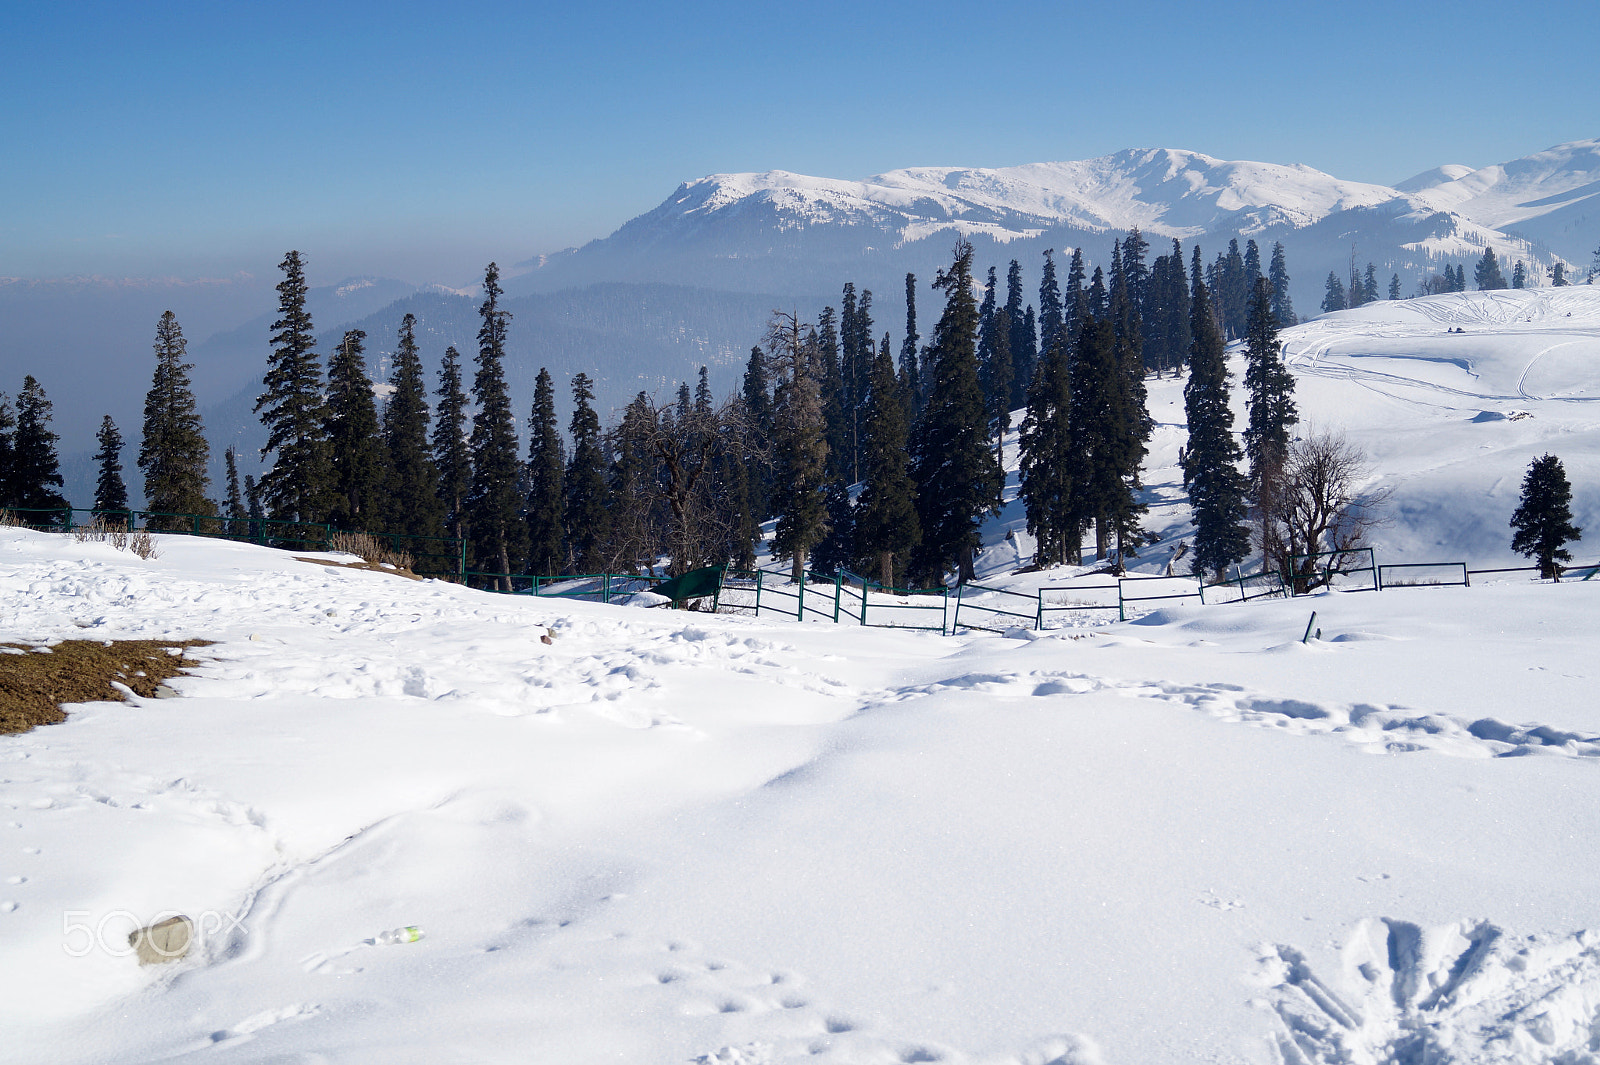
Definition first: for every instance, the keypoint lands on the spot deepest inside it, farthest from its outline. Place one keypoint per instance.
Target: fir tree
(1098, 422)
(450, 452)
(110, 494)
(586, 512)
(1211, 460)
(8, 424)
(1023, 341)
(994, 361)
(1269, 388)
(757, 393)
(831, 382)
(299, 485)
(1369, 285)
(493, 504)
(1278, 274)
(1558, 275)
(1486, 275)
(547, 464)
(1333, 298)
(173, 454)
(1252, 266)
(355, 446)
(956, 477)
(1073, 298)
(910, 367)
(412, 493)
(1048, 462)
(1543, 519)
(1519, 275)
(35, 469)
(1052, 315)
(836, 551)
(800, 445)
(1133, 426)
(886, 527)
(1232, 291)
(1135, 275)
(234, 508)
(1394, 287)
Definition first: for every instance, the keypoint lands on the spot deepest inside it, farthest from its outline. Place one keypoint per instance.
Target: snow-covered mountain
(780, 231)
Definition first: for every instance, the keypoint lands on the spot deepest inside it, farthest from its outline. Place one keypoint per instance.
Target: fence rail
(843, 598)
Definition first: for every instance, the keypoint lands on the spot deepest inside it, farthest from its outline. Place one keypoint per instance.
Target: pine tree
(1098, 421)
(1394, 287)
(174, 453)
(35, 469)
(856, 375)
(1486, 275)
(355, 446)
(234, 507)
(831, 382)
(1133, 426)
(1073, 298)
(1024, 341)
(110, 494)
(586, 512)
(1519, 275)
(1166, 313)
(451, 455)
(412, 493)
(910, 367)
(995, 364)
(1369, 285)
(836, 551)
(1135, 275)
(1211, 460)
(494, 506)
(886, 527)
(1048, 462)
(1232, 291)
(8, 425)
(547, 463)
(1333, 298)
(1269, 388)
(800, 445)
(1558, 275)
(1252, 265)
(956, 477)
(1543, 519)
(299, 485)
(1278, 274)
(1052, 315)
(757, 393)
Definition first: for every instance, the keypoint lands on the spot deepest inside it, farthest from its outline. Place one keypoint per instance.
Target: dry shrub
(143, 545)
(369, 549)
(35, 682)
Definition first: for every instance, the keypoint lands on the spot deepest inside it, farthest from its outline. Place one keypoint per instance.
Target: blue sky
(420, 141)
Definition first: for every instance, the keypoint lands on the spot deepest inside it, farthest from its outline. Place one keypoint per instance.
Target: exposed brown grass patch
(35, 683)
(375, 567)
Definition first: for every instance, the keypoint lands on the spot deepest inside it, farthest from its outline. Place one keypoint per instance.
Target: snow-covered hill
(670, 838)
(790, 232)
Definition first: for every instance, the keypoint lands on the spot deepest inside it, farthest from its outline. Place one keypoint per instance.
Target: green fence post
(1038, 616)
(758, 592)
(1201, 581)
(864, 601)
(838, 586)
(800, 599)
(1122, 614)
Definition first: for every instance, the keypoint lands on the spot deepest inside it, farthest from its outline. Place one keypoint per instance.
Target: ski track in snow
(1465, 992)
(1375, 728)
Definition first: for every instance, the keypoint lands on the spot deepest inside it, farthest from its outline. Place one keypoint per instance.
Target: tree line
(862, 462)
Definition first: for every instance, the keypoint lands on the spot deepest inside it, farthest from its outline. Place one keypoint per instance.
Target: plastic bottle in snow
(409, 934)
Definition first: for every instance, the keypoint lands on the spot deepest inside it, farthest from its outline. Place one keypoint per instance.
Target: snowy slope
(678, 838)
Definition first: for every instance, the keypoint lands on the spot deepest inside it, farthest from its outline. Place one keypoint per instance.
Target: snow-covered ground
(670, 837)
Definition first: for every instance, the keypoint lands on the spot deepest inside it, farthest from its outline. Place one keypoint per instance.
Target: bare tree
(1321, 503)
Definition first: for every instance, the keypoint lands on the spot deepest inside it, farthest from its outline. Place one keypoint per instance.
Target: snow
(677, 837)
